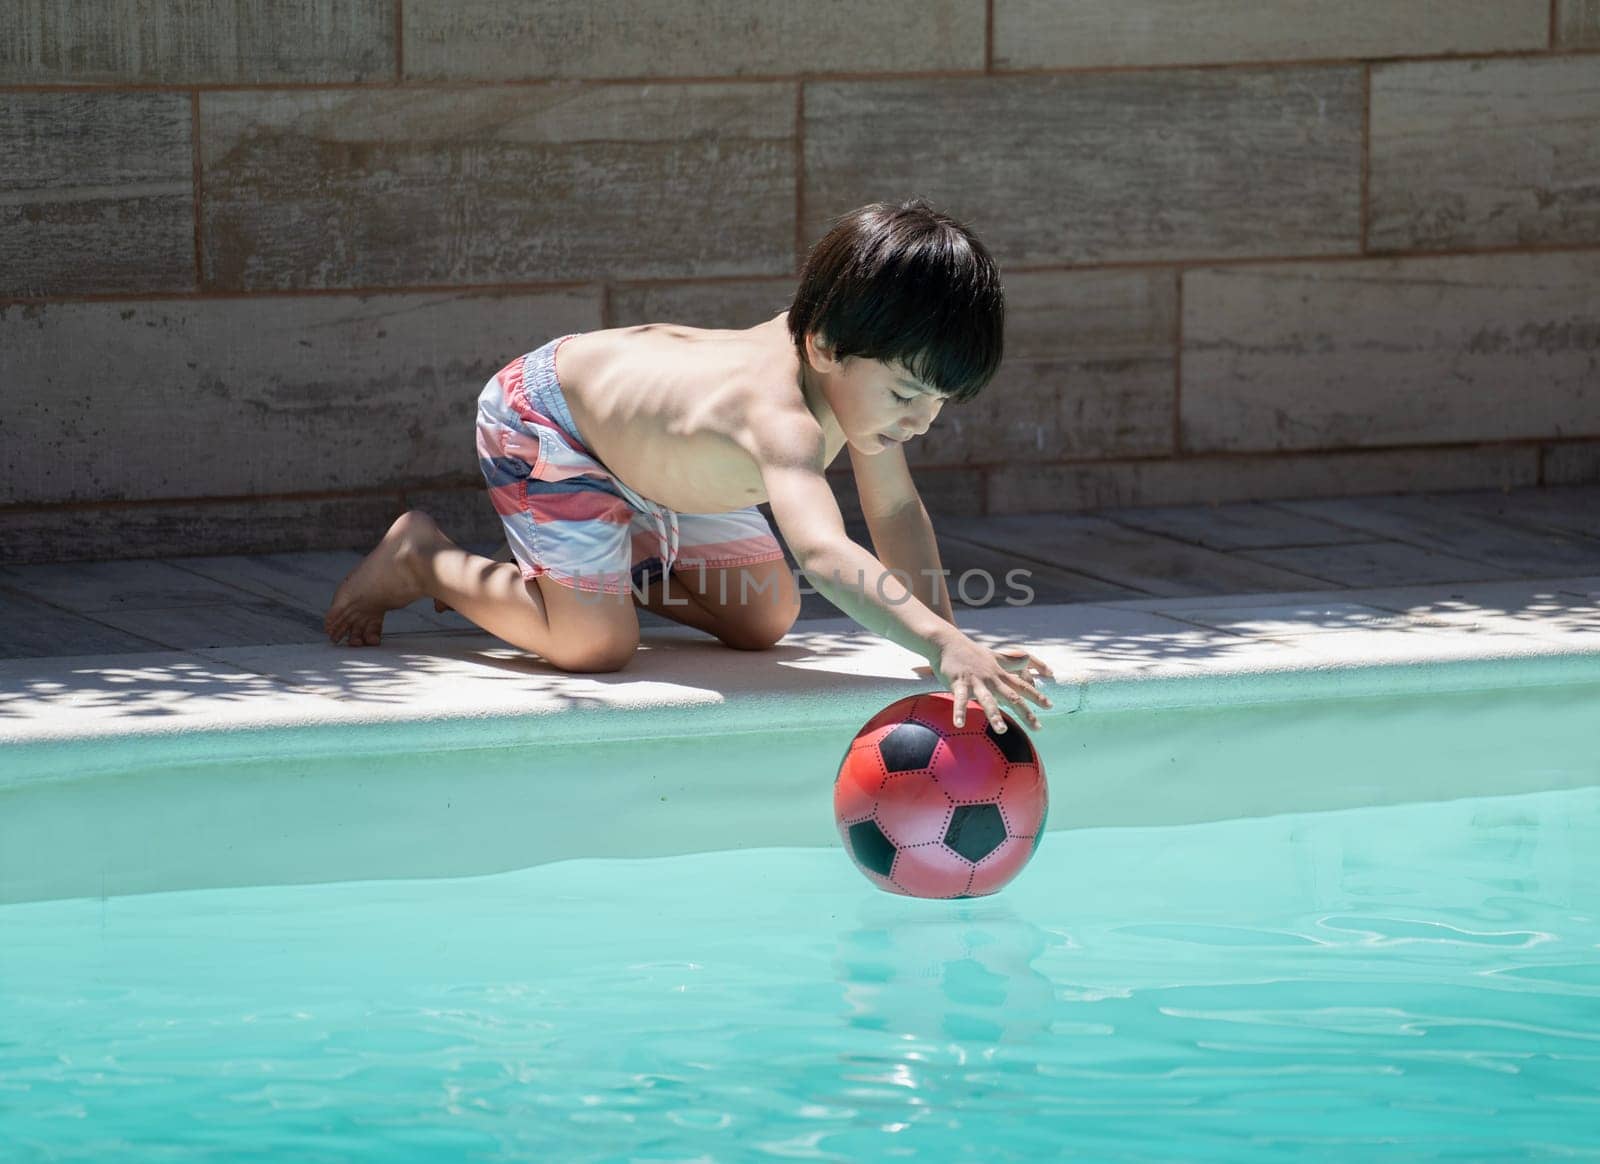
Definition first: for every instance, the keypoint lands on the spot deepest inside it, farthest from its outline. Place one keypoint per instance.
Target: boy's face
(878, 405)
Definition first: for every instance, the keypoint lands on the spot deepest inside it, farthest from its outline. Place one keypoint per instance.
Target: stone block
(1390, 352)
(228, 397)
(1051, 170)
(196, 42)
(1578, 24)
(466, 515)
(1572, 463)
(171, 529)
(1214, 480)
(1480, 154)
(1088, 372)
(391, 187)
(1076, 34)
(96, 193)
(547, 39)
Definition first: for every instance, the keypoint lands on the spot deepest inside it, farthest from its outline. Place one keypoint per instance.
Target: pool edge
(836, 678)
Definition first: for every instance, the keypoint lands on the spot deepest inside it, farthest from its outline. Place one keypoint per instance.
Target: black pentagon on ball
(976, 830)
(1013, 745)
(909, 747)
(871, 848)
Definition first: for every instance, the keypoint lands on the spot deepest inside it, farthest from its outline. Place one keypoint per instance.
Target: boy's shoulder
(754, 370)
(742, 385)
(709, 357)
(776, 419)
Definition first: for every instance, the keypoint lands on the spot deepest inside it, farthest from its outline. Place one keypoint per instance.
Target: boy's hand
(973, 671)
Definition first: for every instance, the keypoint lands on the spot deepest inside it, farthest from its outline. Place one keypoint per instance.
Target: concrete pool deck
(1133, 608)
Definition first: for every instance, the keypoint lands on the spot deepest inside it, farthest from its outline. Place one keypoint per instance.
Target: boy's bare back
(670, 409)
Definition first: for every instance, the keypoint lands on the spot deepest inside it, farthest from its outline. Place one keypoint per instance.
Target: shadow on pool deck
(465, 676)
(1179, 592)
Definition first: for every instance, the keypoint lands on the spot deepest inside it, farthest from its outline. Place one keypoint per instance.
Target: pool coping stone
(63, 718)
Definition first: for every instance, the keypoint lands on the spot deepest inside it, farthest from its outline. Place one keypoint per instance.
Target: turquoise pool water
(1415, 982)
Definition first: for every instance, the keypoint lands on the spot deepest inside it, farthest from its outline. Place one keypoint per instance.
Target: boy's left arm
(902, 534)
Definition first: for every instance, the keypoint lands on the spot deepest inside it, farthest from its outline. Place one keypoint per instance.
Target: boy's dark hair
(908, 285)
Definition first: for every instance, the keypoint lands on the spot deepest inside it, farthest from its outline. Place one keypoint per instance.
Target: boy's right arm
(857, 583)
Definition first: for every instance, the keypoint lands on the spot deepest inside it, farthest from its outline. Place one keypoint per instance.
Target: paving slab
(1421, 521)
(1129, 558)
(32, 630)
(1377, 563)
(1050, 584)
(93, 587)
(1234, 526)
(306, 582)
(1571, 509)
(218, 624)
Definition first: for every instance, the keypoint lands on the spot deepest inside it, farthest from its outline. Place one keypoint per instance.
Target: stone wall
(258, 256)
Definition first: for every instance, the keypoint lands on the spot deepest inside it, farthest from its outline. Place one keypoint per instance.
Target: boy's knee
(763, 630)
(599, 664)
(595, 657)
(595, 649)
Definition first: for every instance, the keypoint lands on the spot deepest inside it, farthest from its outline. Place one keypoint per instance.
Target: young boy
(610, 452)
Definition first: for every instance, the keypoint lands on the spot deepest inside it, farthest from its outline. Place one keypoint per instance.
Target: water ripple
(1328, 988)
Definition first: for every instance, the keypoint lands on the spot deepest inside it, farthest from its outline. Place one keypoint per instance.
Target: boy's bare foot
(384, 581)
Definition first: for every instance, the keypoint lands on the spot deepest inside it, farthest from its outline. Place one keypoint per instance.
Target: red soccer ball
(928, 809)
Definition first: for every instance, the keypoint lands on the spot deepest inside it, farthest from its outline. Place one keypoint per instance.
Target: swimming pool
(1327, 930)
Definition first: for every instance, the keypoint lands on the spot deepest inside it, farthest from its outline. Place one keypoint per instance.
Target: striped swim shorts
(567, 517)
